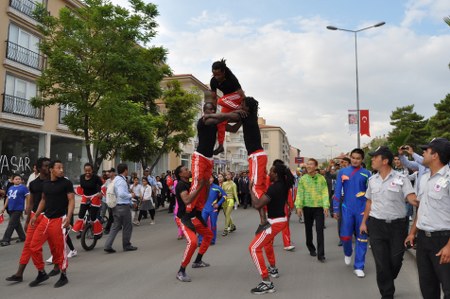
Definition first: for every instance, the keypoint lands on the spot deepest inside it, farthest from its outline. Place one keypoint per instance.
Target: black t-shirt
(180, 188)
(36, 188)
(252, 135)
(206, 138)
(278, 194)
(56, 199)
(229, 85)
(91, 186)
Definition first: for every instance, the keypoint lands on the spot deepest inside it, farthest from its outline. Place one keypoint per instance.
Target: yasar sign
(299, 160)
(14, 164)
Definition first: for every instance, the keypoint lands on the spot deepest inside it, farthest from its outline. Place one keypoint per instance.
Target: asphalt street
(150, 271)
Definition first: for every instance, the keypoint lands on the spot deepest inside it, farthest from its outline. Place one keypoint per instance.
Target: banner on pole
(352, 121)
(364, 127)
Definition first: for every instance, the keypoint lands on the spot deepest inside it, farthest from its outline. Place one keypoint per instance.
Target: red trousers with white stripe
(257, 172)
(26, 251)
(50, 230)
(229, 103)
(191, 239)
(201, 169)
(265, 240)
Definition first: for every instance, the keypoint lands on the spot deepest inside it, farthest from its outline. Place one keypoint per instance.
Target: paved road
(150, 271)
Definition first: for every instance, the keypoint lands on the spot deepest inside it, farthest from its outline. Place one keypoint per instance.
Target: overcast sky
(303, 74)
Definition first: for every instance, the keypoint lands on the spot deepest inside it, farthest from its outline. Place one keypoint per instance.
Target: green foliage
(439, 123)
(409, 128)
(99, 67)
(165, 131)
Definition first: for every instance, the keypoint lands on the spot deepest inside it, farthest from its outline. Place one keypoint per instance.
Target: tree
(409, 128)
(100, 69)
(439, 123)
(165, 131)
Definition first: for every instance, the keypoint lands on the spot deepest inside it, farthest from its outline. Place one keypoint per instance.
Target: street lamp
(355, 32)
(331, 148)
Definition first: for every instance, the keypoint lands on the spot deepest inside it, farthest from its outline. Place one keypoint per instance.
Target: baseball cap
(440, 146)
(384, 151)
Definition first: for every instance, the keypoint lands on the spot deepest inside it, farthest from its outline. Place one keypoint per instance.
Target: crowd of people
(372, 207)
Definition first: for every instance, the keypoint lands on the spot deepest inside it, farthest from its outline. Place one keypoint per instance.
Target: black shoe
(263, 288)
(97, 237)
(14, 278)
(20, 240)
(42, 276)
(233, 228)
(106, 231)
(322, 259)
(109, 250)
(130, 248)
(262, 227)
(313, 253)
(218, 150)
(54, 272)
(79, 236)
(3, 244)
(62, 281)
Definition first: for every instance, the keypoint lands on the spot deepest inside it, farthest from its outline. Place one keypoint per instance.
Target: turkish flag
(364, 128)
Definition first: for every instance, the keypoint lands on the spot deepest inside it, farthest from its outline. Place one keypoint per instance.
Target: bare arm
(70, 208)
(363, 227)
(220, 117)
(187, 197)
(258, 203)
(39, 210)
(412, 199)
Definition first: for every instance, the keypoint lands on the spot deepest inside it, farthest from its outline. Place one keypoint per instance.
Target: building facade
(275, 142)
(27, 133)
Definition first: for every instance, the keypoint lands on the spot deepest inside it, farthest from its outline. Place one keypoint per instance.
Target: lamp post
(355, 32)
(331, 148)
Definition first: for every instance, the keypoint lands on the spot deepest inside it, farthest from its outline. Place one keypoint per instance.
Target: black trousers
(387, 241)
(14, 224)
(432, 275)
(310, 215)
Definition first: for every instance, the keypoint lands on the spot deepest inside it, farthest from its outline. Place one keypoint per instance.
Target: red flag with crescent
(364, 128)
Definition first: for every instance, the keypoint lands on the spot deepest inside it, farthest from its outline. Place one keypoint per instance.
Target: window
(185, 160)
(266, 146)
(18, 93)
(23, 47)
(265, 135)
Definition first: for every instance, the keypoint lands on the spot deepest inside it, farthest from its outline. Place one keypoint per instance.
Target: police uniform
(388, 226)
(433, 223)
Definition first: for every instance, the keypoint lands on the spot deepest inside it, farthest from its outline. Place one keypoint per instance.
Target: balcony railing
(26, 7)
(24, 56)
(21, 106)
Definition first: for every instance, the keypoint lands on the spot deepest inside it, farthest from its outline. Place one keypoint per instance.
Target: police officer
(385, 218)
(432, 223)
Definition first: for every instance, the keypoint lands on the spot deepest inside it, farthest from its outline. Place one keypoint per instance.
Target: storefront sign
(14, 164)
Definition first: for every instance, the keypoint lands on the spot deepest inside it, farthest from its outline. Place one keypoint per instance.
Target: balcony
(241, 159)
(21, 106)
(26, 7)
(235, 142)
(24, 56)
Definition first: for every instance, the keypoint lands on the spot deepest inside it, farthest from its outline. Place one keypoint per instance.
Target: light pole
(331, 148)
(355, 32)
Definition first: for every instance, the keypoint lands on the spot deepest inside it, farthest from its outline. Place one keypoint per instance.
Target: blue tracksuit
(216, 195)
(352, 182)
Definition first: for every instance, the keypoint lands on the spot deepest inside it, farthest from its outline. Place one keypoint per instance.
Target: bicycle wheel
(88, 240)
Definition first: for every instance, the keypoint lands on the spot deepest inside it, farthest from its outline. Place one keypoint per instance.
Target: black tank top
(206, 138)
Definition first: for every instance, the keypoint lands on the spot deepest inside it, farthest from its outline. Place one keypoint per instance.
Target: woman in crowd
(231, 190)
(146, 202)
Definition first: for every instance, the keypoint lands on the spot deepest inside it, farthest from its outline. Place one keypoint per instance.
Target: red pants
(286, 234)
(201, 168)
(51, 230)
(257, 172)
(191, 239)
(26, 252)
(96, 201)
(265, 240)
(229, 102)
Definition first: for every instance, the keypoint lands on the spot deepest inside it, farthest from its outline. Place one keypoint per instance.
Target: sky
(302, 74)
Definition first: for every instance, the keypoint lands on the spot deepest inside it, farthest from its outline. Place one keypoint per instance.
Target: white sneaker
(152, 222)
(49, 260)
(72, 253)
(347, 260)
(289, 248)
(359, 273)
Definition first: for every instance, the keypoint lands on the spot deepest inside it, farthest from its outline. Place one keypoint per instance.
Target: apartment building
(274, 142)
(27, 133)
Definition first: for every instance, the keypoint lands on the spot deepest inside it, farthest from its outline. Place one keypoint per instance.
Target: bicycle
(88, 238)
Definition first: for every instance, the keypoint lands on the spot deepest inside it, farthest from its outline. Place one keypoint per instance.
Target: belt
(123, 204)
(443, 233)
(398, 220)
